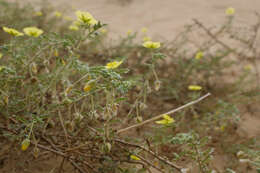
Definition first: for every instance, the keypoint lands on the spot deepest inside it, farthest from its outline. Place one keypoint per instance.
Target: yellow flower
(144, 30)
(167, 117)
(25, 144)
(38, 13)
(85, 18)
(133, 157)
(103, 31)
(129, 32)
(199, 55)
(248, 67)
(230, 11)
(223, 127)
(57, 14)
(166, 120)
(152, 45)
(194, 87)
(1, 55)
(32, 31)
(146, 38)
(73, 27)
(12, 31)
(113, 64)
(87, 87)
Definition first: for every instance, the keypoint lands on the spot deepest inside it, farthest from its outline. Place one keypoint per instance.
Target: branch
(64, 129)
(213, 36)
(161, 115)
(150, 152)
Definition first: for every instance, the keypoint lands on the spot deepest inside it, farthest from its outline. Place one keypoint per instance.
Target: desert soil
(163, 18)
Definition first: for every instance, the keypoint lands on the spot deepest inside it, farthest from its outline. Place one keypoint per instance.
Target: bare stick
(76, 166)
(212, 36)
(64, 129)
(150, 152)
(61, 165)
(149, 163)
(144, 160)
(51, 150)
(61, 154)
(161, 115)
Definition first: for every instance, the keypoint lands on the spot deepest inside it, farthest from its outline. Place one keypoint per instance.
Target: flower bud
(25, 144)
(36, 152)
(157, 85)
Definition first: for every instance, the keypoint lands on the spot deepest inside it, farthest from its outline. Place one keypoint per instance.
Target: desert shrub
(101, 106)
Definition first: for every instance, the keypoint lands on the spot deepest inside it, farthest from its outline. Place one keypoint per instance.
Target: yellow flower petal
(129, 32)
(230, 11)
(12, 31)
(151, 45)
(57, 14)
(73, 27)
(133, 157)
(85, 18)
(32, 31)
(103, 31)
(194, 87)
(166, 120)
(163, 121)
(114, 64)
(199, 55)
(87, 87)
(167, 117)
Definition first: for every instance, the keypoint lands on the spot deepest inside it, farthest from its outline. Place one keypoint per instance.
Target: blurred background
(163, 19)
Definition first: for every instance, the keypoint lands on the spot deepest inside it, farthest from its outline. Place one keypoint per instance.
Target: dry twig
(161, 115)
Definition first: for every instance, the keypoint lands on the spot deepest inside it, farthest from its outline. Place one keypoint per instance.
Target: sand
(164, 18)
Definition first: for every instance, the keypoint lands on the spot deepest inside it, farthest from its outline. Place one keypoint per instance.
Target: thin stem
(64, 129)
(161, 115)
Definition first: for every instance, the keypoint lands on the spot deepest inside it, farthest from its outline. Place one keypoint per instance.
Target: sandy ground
(163, 18)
